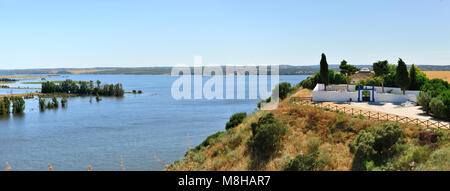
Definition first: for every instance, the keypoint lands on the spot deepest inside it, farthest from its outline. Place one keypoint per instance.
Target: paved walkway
(389, 112)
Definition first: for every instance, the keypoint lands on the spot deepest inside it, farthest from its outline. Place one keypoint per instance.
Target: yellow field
(84, 71)
(445, 75)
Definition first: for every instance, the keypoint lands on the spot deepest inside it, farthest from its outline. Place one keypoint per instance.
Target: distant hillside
(284, 70)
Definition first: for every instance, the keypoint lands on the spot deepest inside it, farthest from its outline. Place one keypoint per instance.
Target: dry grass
(86, 71)
(303, 123)
(30, 76)
(445, 75)
(303, 93)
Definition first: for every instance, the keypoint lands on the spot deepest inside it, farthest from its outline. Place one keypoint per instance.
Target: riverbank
(317, 139)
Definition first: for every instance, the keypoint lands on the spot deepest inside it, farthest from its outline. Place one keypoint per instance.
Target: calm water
(136, 126)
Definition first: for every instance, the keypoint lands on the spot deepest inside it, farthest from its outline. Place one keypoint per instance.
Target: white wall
(319, 94)
(334, 96)
(395, 98)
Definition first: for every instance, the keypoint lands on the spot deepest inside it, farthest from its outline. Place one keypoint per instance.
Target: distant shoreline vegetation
(83, 88)
(284, 70)
(56, 82)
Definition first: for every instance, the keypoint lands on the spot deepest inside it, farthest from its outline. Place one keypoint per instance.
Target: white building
(339, 93)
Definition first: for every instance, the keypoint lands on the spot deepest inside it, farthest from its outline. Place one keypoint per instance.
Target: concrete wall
(334, 96)
(319, 94)
(394, 98)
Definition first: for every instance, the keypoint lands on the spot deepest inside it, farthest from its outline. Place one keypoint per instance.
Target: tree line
(51, 104)
(385, 75)
(18, 105)
(83, 88)
(434, 94)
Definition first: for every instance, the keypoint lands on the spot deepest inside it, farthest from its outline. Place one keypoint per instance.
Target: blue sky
(122, 33)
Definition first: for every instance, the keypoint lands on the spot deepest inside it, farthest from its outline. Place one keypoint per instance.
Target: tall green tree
(417, 78)
(324, 70)
(381, 69)
(402, 77)
(413, 85)
(347, 70)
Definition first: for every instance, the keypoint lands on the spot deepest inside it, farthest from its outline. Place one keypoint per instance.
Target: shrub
(428, 137)
(63, 102)
(362, 146)
(438, 160)
(372, 81)
(386, 135)
(209, 141)
(424, 100)
(55, 102)
(435, 87)
(438, 107)
(333, 78)
(308, 83)
(264, 101)
(266, 135)
(309, 162)
(313, 145)
(235, 120)
(284, 89)
(339, 79)
(375, 144)
(98, 98)
(41, 103)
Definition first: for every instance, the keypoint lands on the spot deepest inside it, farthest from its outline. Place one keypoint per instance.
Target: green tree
(3, 109)
(284, 88)
(381, 69)
(435, 87)
(417, 78)
(18, 105)
(402, 77)
(347, 70)
(324, 70)
(55, 102)
(98, 98)
(413, 85)
(41, 103)
(63, 102)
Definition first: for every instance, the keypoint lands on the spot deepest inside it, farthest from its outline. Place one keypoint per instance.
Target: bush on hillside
(305, 162)
(235, 120)
(209, 141)
(284, 88)
(374, 144)
(266, 135)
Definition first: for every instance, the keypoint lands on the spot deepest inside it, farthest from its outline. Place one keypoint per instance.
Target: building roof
(364, 70)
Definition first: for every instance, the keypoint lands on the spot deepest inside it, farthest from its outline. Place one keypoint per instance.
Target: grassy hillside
(297, 137)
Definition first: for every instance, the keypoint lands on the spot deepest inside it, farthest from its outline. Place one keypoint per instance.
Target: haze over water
(137, 126)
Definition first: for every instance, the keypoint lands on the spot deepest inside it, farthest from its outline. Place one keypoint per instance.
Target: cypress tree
(324, 70)
(413, 85)
(402, 77)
